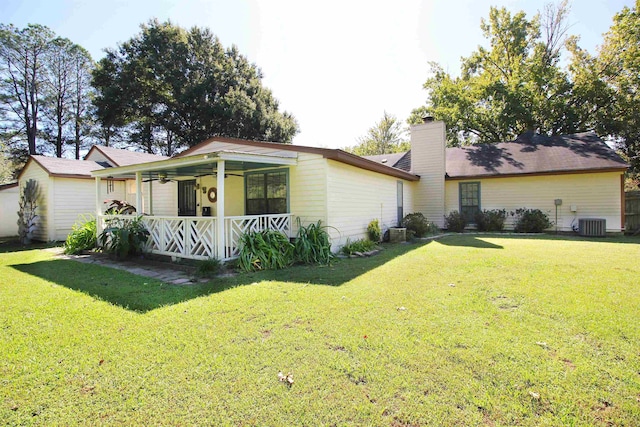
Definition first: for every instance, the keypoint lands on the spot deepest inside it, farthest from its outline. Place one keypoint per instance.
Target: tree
(6, 168)
(513, 86)
(168, 87)
(611, 82)
(385, 137)
(22, 54)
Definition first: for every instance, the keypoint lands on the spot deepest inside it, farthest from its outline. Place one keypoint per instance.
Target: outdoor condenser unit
(593, 227)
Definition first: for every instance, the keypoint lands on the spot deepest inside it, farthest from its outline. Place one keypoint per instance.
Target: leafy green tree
(168, 87)
(514, 85)
(385, 137)
(610, 83)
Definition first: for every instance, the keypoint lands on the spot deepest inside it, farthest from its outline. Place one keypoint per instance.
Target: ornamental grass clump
(313, 245)
(265, 250)
(82, 236)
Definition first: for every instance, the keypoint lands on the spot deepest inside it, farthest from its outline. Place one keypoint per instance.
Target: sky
(337, 66)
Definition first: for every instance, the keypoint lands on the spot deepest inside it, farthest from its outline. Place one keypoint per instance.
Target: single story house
(67, 189)
(198, 203)
(569, 177)
(227, 186)
(9, 202)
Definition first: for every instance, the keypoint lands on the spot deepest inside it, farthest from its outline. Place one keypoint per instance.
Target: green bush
(82, 236)
(124, 236)
(312, 245)
(374, 232)
(455, 222)
(531, 221)
(265, 250)
(361, 245)
(417, 225)
(208, 267)
(491, 220)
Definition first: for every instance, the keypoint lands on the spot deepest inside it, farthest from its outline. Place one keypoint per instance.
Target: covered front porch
(207, 201)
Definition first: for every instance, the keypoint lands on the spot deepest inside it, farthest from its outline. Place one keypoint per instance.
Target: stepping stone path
(164, 274)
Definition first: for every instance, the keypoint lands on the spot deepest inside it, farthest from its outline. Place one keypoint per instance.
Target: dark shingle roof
(533, 153)
(395, 160)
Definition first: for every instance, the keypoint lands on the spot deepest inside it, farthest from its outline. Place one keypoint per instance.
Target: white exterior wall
(233, 195)
(428, 161)
(595, 195)
(34, 171)
(357, 196)
(71, 198)
(9, 205)
(165, 197)
(308, 189)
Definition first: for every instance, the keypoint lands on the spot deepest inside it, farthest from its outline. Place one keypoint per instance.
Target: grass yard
(467, 330)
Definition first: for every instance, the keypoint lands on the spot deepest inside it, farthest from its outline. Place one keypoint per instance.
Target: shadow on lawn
(142, 294)
(468, 242)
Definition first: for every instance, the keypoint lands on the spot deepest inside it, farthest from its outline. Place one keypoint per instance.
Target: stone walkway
(164, 274)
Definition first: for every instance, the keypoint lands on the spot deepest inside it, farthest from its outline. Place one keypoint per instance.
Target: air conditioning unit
(592, 227)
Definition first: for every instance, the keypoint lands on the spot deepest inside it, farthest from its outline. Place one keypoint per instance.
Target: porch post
(139, 207)
(220, 210)
(98, 206)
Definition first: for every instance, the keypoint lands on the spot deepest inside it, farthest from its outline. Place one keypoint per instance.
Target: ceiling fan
(162, 178)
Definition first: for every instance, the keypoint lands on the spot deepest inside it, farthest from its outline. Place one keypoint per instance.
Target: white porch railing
(195, 237)
(236, 226)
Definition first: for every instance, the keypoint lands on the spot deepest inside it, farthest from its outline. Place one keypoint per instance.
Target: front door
(187, 198)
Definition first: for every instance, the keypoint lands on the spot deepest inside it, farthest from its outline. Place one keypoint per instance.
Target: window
(266, 192)
(469, 200)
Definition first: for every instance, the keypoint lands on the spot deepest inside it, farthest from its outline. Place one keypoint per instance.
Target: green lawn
(484, 330)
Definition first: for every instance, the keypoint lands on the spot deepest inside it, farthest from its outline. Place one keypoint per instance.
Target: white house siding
(308, 189)
(9, 205)
(72, 198)
(595, 195)
(428, 161)
(164, 197)
(357, 196)
(97, 156)
(34, 171)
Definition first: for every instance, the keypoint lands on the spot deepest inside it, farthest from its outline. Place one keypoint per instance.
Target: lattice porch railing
(195, 237)
(236, 226)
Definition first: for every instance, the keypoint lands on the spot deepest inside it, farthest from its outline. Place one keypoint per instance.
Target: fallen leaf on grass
(534, 395)
(401, 308)
(287, 379)
(542, 344)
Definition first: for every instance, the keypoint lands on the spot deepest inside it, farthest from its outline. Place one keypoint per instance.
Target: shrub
(82, 236)
(417, 225)
(27, 210)
(124, 236)
(312, 245)
(208, 267)
(374, 232)
(455, 222)
(491, 220)
(531, 221)
(361, 245)
(265, 250)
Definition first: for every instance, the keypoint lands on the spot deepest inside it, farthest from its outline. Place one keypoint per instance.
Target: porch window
(266, 192)
(469, 200)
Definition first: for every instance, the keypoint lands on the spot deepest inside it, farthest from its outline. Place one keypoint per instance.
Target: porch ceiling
(196, 166)
(204, 170)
